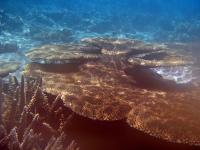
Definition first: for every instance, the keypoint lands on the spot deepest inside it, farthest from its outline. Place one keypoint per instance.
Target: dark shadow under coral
(116, 135)
(147, 78)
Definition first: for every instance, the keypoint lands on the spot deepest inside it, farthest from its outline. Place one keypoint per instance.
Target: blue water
(158, 20)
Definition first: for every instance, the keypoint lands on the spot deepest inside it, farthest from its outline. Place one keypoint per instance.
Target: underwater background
(126, 70)
(158, 20)
(28, 23)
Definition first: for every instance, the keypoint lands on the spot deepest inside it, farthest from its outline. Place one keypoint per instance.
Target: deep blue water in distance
(157, 20)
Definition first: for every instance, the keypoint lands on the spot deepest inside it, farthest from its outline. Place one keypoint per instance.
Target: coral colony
(86, 78)
(100, 79)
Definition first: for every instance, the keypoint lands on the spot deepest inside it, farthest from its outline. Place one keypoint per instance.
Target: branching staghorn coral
(35, 123)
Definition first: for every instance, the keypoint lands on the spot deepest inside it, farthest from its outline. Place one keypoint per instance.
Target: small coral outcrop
(8, 67)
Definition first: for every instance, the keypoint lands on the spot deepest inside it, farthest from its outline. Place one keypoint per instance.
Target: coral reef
(29, 120)
(110, 46)
(123, 44)
(152, 87)
(152, 60)
(8, 67)
(60, 54)
(112, 88)
(92, 92)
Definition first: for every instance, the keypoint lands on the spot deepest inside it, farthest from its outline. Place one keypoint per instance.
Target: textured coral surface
(112, 88)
